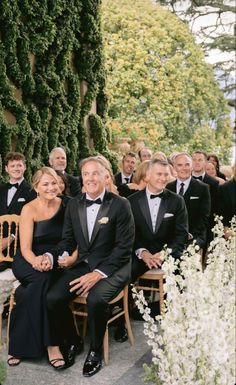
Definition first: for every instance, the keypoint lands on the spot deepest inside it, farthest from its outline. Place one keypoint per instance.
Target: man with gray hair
(196, 195)
(58, 161)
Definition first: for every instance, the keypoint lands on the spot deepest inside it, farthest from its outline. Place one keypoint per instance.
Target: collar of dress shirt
(196, 174)
(101, 196)
(125, 176)
(18, 181)
(186, 184)
(149, 193)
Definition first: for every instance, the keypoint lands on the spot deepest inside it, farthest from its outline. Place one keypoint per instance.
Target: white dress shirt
(12, 191)
(185, 182)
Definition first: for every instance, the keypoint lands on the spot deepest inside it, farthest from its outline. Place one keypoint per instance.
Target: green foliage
(47, 49)
(3, 372)
(158, 82)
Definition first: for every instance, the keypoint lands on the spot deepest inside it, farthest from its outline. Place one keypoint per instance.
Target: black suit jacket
(227, 201)
(118, 179)
(213, 185)
(112, 239)
(171, 225)
(74, 185)
(198, 202)
(23, 195)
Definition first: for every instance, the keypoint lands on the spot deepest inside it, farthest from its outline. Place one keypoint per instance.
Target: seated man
(160, 218)
(128, 165)
(101, 225)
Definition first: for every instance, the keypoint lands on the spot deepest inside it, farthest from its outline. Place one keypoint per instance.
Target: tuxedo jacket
(118, 179)
(213, 185)
(74, 185)
(171, 224)
(23, 195)
(227, 201)
(110, 246)
(198, 202)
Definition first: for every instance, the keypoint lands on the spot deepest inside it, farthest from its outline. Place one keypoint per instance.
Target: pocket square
(103, 221)
(194, 197)
(168, 215)
(21, 200)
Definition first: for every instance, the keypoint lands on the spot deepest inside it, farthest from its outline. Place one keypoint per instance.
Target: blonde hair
(141, 171)
(42, 171)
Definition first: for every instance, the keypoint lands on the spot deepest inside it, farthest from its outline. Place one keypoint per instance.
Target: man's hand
(37, 263)
(85, 283)
(152, 260)
(46, 263)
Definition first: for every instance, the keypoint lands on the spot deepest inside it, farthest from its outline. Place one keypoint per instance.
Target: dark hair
(201, 152)
(215, 157)
(65, 181)
(14, 156)
(152, 162)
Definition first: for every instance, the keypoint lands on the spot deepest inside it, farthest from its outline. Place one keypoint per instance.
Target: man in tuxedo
(199, 166)
(128, 165)
(160, 219)
(101, 225)
(196, 196)
(227, 201)
(16, 193)
(58, 161)
(144, 154)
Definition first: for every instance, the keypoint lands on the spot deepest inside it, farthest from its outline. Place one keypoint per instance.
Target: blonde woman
(41, 225)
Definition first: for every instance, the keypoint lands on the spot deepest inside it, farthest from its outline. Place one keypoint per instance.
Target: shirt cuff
(100, 272)
(138, 252)
(50, 256)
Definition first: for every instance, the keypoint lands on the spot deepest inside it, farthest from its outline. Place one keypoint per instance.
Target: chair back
(8, 224)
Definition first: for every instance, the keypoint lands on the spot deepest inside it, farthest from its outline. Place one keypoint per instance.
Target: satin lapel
(83, 218)
(189, 190)
(161, 211)
(16, 195)
(102, 212)
(143, 204)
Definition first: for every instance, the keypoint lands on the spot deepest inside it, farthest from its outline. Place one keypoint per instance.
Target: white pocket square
(168, 215)
(21, 200)
(194, 197)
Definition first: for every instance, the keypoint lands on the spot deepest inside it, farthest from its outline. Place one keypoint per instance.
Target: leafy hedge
(48, 50)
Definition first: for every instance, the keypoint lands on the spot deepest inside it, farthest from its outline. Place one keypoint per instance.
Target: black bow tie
(198, 177)
(90, 202)
(10, 185)
(152, 196)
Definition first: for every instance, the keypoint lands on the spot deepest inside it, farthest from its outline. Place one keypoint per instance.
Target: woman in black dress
(41, 225)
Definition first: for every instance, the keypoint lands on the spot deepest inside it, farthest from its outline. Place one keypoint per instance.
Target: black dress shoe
(120, 334)
(92, 365)
(70, 352)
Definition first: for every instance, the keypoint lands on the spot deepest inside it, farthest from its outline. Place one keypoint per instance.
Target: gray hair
(54, 150)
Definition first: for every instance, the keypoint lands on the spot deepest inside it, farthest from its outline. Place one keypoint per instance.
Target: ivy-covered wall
(51, 78)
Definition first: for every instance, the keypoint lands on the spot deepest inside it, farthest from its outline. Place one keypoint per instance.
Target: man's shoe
(92, 365)
(70, 352)
(120, 334)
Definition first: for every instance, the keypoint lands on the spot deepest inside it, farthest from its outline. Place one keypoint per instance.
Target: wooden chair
(154, 275)
(8, 224)
(79, 308)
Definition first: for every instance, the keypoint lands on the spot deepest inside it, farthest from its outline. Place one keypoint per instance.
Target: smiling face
(158, 176)
(183, 166)
(58, 160)
(210, 169)
(94, 178)
(47, 187)
(128, 165)
(15, 170)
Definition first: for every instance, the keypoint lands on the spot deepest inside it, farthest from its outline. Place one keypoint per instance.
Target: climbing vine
(47, 49)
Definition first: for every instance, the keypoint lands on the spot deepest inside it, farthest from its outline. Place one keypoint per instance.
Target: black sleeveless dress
(29, 326)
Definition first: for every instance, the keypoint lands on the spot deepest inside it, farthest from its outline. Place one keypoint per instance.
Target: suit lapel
(16, 196)
(102, 212)
(143, 204)
(161, 211)
(83, 217)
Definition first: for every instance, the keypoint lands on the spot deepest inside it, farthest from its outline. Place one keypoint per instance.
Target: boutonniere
(103, 221)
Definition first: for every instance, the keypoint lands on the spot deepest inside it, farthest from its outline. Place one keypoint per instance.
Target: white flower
(103, 221)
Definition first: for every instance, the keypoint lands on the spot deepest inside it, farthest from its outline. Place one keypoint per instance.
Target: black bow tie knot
(10, 185)
(90, 202)
(198, 177)
(153, 196)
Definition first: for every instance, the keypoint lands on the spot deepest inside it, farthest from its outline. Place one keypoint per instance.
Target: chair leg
(127, 320)
(11, 305)
(161, 292)
(105, 346)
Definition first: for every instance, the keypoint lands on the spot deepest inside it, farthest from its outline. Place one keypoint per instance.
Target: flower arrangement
(193, 343)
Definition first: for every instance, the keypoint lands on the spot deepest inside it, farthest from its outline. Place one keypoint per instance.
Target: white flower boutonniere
(103, 221)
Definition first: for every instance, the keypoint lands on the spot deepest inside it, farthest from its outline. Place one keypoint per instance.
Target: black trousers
(58, 298)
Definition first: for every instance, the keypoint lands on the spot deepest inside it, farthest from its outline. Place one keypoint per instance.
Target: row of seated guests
(158, 220)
